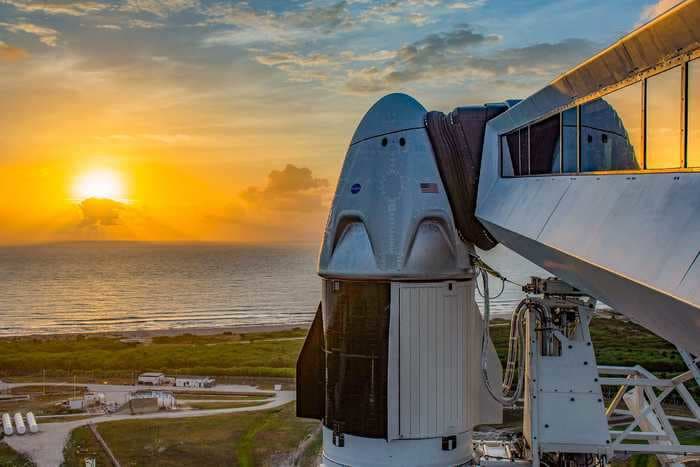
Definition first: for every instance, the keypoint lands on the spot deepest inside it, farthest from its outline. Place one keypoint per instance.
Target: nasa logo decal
(355, 188)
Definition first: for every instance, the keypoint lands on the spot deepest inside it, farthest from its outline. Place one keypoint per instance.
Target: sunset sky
(188, 120)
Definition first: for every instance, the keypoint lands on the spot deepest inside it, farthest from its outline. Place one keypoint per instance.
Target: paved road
(118, 392)
(46, 447)
(130, 387)
(195, 401)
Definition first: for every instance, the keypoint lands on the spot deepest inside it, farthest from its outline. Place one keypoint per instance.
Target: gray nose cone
(390, 217)
(391, 113)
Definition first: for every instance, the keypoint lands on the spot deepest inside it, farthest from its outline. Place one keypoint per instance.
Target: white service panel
(438, 358)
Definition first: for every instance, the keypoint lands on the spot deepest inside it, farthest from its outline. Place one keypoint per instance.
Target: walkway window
(524, 151)
(514, 153)
(693, 126)
(611, 131)
(544, 146)
(509, 156)
(664, 117)
(570, 144)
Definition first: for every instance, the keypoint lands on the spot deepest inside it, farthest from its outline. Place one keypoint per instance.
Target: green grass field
(82, 445)
(224, 396)
(218, 405)
(104, 358)
(10, 458)
(245, 439)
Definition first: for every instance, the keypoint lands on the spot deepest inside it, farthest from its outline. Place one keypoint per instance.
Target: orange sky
(65, 201)
(229, 121)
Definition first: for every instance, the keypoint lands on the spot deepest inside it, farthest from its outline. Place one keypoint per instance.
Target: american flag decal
(428, 188)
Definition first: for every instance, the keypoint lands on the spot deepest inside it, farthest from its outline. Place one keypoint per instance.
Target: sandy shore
(149, 333)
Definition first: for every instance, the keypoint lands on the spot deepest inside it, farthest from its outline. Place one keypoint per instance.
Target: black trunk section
(356, 325)
(311, 372)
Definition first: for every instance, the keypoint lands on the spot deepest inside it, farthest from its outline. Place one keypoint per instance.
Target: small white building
(194, 381)
(166, 399)
(75, 404)
(91, 399)
(151, 379)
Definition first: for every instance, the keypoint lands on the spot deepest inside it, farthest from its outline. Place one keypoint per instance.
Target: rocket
(391, 362)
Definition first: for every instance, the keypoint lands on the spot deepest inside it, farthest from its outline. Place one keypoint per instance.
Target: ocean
(116, 287)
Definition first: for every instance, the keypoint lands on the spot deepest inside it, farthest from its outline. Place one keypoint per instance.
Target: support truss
(643, 394)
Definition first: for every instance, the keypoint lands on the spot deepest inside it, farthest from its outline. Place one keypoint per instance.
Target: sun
(101, 183)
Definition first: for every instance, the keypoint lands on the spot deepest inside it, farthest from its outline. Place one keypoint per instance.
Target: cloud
(443, 59)
(71, 8)
(9, 53)
(278, 58)
(429, 3)
(387, 13)
(101, 212)
(114, 27)
(427, 58)
(655, 9)
(430, 58)
(144, 24)
(418, 19)
(325, 19)
(107, 219)
(311, 21)
(438, 59)
(541, 59)
(46, 35)
(458, 38)
(293, 189)
(291, 206)
(252, 25)
(397, 11)
(160, 8)
(467, 5)
(300, 68)
(377, 56)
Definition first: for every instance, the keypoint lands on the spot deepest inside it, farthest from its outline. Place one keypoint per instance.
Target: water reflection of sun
(101, 183)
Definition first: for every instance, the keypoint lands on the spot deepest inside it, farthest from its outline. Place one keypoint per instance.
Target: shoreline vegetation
(145, 334)
(116, 359)
(230, 354)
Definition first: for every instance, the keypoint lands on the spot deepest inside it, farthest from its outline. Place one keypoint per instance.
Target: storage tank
(31, 421)
(7, 424)
(19, 424)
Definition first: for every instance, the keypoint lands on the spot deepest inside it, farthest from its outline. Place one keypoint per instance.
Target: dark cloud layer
(566, 53)
(326, 19)
(448, 57)
(101, 212)
(445, 57)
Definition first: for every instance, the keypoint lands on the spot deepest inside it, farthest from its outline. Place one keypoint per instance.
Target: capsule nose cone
(393, 112)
